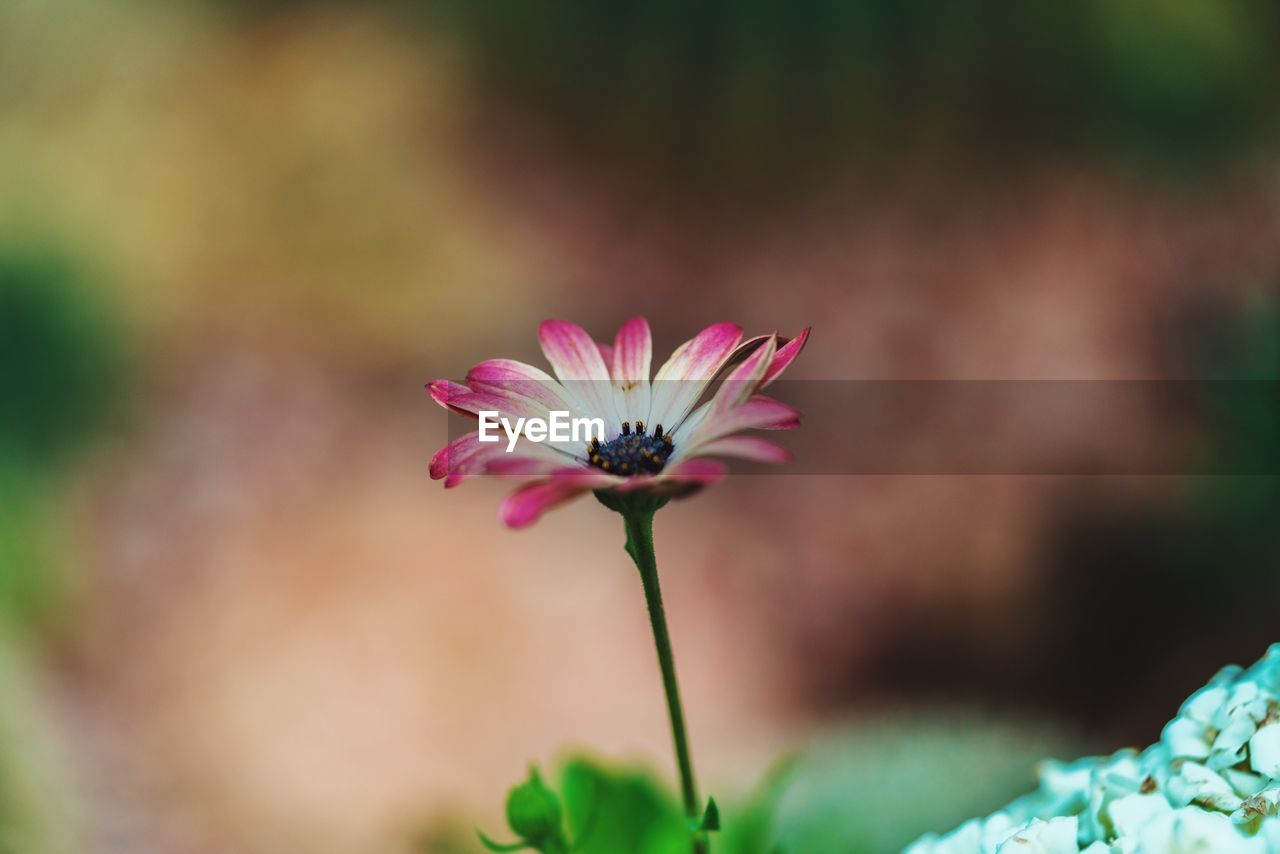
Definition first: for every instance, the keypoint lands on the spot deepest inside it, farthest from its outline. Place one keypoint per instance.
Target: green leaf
(614, 810)
(60, 356)
(877, 785)
(498, 846)
(710, 816)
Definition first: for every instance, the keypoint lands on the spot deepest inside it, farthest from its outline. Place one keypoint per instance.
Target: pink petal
(506, 370)
(639, 483)
(577, 363)
(467, 457)
(508, 377)
(699, 472)
(762, 413)
(444, 391)
(680, 382)
(571, 352)
(463, 458)
(746, 348)
(632, 351)
(700, 357)
(505, 403)
(509, 398)
(785, 356)
(743, 381)
(677, 480)
(606, 352)
(747, 448)
(508, 404)
(526, 464)
(527, 504)
(758, 413)
(632, 355)
(447, 457)
(788, 349)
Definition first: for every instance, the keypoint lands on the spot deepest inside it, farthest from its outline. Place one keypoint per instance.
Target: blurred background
(237, 237)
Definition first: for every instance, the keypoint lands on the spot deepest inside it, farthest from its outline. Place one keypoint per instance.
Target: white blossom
(1210, 784)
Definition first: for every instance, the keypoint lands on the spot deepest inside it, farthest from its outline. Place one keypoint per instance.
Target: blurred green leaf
(613, 811)
(867, 787)
(498, 846)
(29, 581)
(876, 787)
(60, 359)
(60, 374)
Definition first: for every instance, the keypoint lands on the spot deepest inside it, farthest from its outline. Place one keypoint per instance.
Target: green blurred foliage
(535, 816)
(1187, 568)
(770, 98)
(879, 786)
(605, 811)
(1237, 516)
(60, 368)
(871, 787)
(60, 378)
(621, 810)
(534, 813)
(59, 359)
(30, 581)
(763, 92)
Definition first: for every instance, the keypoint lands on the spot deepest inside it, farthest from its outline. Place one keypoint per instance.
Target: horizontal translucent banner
(971, 427)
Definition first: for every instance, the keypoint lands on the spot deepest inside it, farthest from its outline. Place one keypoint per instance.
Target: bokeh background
(237, 237)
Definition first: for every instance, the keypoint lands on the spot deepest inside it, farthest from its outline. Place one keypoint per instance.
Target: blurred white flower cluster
(1211, 784)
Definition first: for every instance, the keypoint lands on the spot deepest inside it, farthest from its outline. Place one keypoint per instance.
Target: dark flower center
(632, 453)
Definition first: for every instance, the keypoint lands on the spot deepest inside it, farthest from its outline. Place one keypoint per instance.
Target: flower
(1211, 783)
(657, 438)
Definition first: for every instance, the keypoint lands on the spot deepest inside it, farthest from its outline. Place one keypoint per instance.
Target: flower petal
(443, 392)
(677, 480)
(527, 504)
(632, 356)
(454, 454)
(462, 459)
(507, 403)
(571, 352)
(746, 348)
(578, 364)
(527, 462)
(467, 457)
(751, 448)
(700, 472)
(758, 413)
(632, 351)
(681, 380)
(507, 376)
(785, 355)
(743, 381)
(788, 349)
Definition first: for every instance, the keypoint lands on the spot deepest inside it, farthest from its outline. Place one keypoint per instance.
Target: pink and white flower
(658, 437)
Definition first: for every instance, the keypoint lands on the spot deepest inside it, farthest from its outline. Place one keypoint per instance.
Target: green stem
(639, 521)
